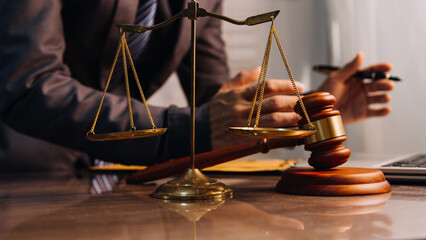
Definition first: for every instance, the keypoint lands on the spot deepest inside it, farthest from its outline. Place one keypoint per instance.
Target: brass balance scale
(193, 184)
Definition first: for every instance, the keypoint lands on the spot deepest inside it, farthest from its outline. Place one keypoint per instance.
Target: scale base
(342, 181)
(192, 185)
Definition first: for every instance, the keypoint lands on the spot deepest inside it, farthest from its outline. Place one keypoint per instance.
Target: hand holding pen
(357, 99)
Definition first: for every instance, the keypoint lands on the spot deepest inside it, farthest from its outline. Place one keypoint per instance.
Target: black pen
(360, 74)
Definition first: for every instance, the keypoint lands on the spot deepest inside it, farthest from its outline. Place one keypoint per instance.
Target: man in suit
(55, 59)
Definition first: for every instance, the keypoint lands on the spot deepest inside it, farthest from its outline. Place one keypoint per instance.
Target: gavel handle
(208, 159)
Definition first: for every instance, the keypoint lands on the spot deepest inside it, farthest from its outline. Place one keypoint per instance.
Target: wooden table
(60, 206)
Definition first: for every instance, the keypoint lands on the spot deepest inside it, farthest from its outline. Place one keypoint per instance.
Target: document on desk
(115, 167)
(253, 165)
(238, 165)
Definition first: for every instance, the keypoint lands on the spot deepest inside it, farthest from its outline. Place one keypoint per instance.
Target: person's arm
(40, 98)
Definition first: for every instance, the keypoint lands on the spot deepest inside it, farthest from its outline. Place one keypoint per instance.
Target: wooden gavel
(325, 144)
(208, 159)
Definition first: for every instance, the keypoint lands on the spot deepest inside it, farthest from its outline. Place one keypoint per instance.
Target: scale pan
(126, 135)
(272, 132)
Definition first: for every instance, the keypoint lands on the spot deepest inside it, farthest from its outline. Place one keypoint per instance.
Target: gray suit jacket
(55, 58)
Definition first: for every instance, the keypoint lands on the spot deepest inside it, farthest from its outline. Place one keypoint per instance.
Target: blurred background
(332, 32)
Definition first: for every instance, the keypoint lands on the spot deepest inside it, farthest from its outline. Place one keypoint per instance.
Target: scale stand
(194, 185)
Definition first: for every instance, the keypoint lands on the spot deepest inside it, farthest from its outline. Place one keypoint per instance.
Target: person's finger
(349, 69)
(379, 85)
(372, 112)
(279, 103)
(273, 87)
(279, 119)
(379, 99)
(242, 78)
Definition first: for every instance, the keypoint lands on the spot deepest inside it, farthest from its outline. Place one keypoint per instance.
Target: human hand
(354, 98)
(230, 107)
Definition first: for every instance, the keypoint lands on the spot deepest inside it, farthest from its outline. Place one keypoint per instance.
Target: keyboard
(416, 161)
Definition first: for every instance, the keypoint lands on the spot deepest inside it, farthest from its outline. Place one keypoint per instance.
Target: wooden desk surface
(59, 206)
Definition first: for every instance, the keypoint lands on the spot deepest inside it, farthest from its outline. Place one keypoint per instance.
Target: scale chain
(262, 82)
(92, 130)
(311, 126)
(139, 84)
(122, 46)
(265, 70)
(126, 80)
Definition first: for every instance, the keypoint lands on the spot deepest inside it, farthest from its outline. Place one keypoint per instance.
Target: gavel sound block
(327, 153)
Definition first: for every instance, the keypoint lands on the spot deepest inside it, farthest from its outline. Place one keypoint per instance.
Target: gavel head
(326, 144)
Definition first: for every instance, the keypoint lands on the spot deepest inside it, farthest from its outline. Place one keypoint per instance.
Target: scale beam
(133, 28)
(250, 21)
(195, 13)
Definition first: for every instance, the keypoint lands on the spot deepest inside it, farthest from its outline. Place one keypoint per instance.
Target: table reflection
(353, 217)
(293, 217)
(61, 206)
